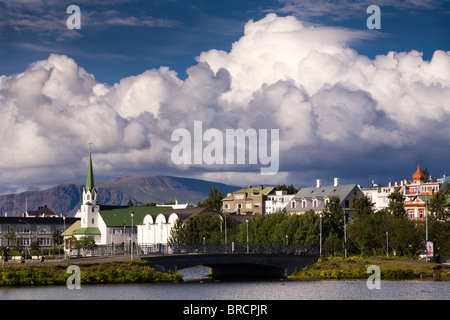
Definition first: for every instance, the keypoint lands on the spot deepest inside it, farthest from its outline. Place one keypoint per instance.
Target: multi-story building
(317, 197)
(417, 193)
(378, 194)
(31, 229)
(248, 201)
(278, 201)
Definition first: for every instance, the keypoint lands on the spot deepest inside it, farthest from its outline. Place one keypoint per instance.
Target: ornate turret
(418, 175)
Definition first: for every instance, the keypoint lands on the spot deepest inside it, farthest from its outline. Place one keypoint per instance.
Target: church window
(92, 220)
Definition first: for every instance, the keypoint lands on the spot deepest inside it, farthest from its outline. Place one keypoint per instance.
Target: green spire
(90, 175)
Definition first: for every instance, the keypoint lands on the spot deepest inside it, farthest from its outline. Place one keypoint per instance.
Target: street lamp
(320, 245)
(387, 244)
(345, 235)
(246, 221)
(132, 234)
(64, 221)
(29, 235)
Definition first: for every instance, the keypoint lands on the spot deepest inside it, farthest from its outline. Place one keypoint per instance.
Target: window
(93, 209)
(304, 203)
(88, 197)
(44, 242)
(346, 204)
(92, 220)
(293, 204)
(315, 203)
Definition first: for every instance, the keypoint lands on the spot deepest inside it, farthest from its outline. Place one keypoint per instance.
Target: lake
(195, 289)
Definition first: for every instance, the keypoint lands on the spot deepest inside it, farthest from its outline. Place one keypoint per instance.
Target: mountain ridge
(140, 189)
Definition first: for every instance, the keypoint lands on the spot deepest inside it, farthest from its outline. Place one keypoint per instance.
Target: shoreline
(118, 270)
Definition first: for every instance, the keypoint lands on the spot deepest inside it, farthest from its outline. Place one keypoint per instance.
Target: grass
(356, 268)
(91, 273)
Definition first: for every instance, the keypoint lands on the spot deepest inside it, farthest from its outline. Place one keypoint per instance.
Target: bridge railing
(230, 248)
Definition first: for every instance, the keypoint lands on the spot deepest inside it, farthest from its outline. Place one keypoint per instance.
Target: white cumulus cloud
(331, 105)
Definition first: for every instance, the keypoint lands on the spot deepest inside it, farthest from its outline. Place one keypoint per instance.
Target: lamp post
(345, 235)
(132, 234)
(246, 221)
(320, 245)
(387, 244)
(29, 235)
(64, 241)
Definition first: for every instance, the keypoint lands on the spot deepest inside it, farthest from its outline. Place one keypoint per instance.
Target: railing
(250, 248)
(202, 248)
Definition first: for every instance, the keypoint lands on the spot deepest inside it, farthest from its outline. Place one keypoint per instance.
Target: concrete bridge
(237, 261)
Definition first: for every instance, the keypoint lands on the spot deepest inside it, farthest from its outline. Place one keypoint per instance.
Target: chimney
(336, 182)
(318, 183)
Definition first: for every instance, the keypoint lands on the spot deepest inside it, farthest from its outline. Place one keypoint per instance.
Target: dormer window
(315, 203)
(304, 203)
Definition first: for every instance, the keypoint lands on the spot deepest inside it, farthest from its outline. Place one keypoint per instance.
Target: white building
(378, 195)
(155, 228)
(278, 201)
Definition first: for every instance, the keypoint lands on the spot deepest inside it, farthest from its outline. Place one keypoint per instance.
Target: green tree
(289, 189)
(438, 205)
(10, 237)
(362, 206)
(214, 200)
(396, 204)
(198, 229)
(57, 237)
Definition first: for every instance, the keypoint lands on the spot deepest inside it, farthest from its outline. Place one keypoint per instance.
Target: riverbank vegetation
(91, 273)
(356, 268)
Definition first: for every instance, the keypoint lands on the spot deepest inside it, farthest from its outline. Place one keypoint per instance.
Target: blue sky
(180, 30)
(123, 44)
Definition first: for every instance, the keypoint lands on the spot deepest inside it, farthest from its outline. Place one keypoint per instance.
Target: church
(121, 226)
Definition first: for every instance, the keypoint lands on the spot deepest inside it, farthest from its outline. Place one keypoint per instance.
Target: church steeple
(90, 176)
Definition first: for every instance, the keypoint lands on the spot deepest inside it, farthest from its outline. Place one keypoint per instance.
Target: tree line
(368, 232)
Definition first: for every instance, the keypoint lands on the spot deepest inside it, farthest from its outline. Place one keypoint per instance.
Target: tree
(362, 206)
(10, 237)
(85, 243)
(396, 204)
(198, 229)
(289, 189)
(214, 201)
(57, 237)
(438, 205)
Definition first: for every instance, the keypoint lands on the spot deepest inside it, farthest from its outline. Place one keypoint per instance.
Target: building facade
(31, 229)
(316, 198)
(248, 201)
(278, 201)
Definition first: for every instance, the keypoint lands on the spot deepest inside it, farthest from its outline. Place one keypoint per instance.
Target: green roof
(70, 230)
(255, 191)
(116, 216)
(87, 231)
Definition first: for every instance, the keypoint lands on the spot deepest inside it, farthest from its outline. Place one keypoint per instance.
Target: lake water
(238, 290)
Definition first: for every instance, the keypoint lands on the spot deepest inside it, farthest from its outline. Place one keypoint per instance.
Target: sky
(347, 101)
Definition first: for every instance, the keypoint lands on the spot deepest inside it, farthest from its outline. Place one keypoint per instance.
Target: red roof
(418, 176)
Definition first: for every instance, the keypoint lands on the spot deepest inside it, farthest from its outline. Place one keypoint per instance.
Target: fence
(193, 248)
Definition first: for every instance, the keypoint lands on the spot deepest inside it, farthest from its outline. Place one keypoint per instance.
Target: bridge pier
(236, 266)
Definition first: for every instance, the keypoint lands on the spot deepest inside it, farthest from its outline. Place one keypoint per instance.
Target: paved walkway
(73, 260)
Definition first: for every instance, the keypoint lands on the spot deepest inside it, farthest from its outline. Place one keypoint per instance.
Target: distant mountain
(140, 189)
